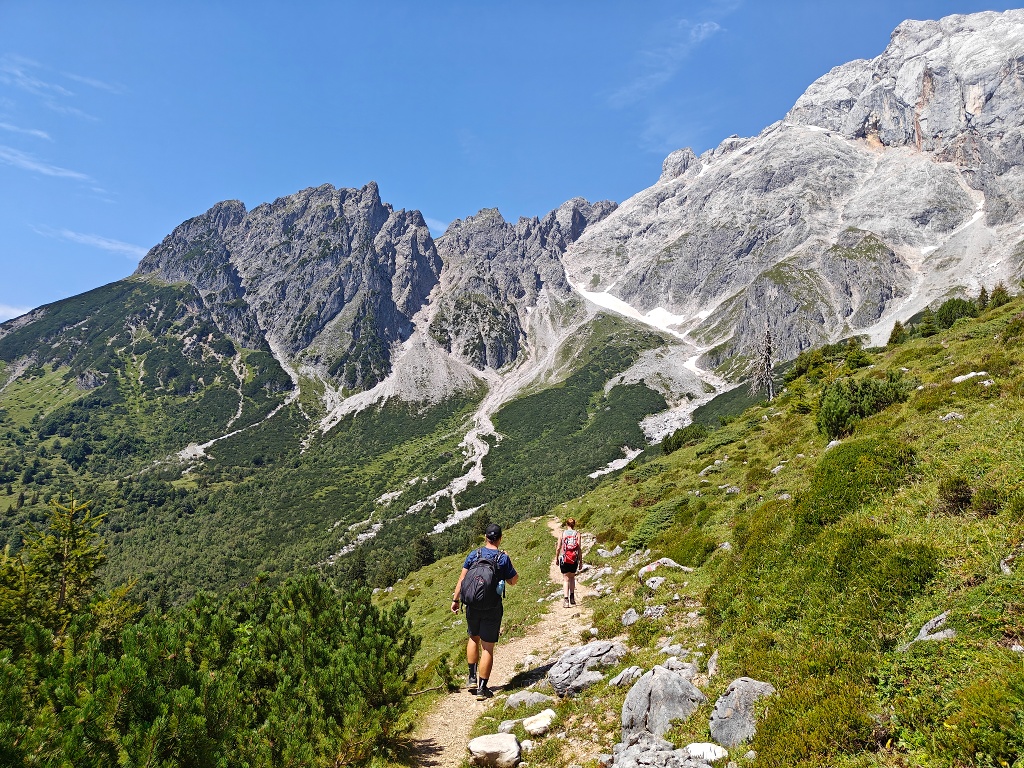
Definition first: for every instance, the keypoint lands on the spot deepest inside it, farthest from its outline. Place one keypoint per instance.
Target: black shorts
(569, 567)
(484, 623)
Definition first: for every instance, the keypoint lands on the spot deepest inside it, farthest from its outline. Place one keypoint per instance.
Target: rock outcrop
(656, 699)
(890, 181)
(732, 721)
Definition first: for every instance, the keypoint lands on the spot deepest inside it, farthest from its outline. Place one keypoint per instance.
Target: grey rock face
(889, 181)
(732, 721)
(599, 653)
(656, 699)
(496, 272)
(630, 617)
(330, 277)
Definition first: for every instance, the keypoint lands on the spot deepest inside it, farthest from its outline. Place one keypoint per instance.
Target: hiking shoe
(565, 602)
(484, 693)
(471, 685)
(572, 598)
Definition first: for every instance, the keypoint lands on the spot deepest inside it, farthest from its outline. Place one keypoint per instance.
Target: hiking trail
(441, 736)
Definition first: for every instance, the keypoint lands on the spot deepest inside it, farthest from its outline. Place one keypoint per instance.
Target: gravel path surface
(441, 736)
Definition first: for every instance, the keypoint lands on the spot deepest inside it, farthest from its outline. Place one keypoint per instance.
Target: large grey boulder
(599, 653)
(584, 680)
(732, 721)
(496, 750)
(656, 699)
(643, 750)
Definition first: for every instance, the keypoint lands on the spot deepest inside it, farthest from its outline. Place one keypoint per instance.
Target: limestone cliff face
(497, 274)
(331, 278)
(891, 182)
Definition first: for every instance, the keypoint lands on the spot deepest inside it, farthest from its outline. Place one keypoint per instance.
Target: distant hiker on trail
(481, 588)
(569, 557)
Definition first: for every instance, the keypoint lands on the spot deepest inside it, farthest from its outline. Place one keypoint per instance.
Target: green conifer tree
(999, 297)
(898, 335)
(926, 327)
(983, 299)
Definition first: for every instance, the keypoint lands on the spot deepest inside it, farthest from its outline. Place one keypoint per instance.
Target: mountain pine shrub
(846, 401)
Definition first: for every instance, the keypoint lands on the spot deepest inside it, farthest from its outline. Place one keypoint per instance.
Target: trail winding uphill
(442, 735)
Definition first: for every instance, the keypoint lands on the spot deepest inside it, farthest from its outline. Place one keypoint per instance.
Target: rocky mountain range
(891, 183)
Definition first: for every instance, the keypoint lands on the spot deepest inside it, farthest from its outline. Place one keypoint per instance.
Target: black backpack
(480, 585)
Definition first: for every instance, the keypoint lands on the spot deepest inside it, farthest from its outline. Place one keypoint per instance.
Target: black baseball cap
(492, 532)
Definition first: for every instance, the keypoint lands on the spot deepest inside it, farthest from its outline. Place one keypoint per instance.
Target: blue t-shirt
(502, 562)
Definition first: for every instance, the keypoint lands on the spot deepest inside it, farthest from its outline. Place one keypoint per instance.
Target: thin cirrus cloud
(25, 161)
(95, 241)
(34, 132)
(16, 71)
(660, 64)
(18, 159)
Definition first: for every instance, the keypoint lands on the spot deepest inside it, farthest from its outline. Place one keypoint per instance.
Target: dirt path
(441, 736)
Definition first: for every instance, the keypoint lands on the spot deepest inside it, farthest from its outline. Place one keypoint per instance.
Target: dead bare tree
(762, 367)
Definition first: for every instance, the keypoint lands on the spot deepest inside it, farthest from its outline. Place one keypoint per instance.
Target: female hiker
(569, 557)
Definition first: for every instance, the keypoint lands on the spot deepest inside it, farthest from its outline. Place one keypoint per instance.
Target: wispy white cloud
(95, 241)
(661, 63)
(17, 71)
(437, 227)
(7, 312)
(25, 161)
(92, 82)
(25, 131)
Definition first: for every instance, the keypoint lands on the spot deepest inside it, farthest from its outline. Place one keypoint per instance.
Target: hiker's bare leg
(565, 582)
(473, 651)
(486, 660)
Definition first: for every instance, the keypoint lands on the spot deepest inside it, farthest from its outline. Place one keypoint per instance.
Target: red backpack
(571, 548)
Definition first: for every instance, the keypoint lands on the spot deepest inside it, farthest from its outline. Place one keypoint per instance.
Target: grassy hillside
(816, 567)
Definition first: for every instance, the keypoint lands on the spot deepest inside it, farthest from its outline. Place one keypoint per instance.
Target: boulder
(528, 699)
(507, 726)
(539, 724)
(585, 680)
(630, 617)
(646, 751)
(732, 721)
(656, 699)
(655, 581)
(598, 653)
(496, 750)
(628, 676)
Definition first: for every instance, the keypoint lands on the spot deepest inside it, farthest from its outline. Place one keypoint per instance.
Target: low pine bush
(846, 401)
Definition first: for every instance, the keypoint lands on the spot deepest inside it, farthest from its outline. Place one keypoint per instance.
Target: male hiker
(480, 589)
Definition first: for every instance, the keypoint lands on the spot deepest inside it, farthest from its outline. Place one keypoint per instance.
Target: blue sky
(119, 120)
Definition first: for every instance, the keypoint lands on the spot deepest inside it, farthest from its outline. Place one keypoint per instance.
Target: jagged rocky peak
(496, 273)
(329, 277)
(920, 150)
